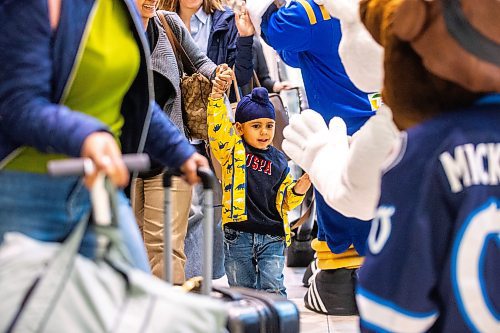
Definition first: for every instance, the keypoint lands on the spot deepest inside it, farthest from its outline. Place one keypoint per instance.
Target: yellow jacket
(227, 147)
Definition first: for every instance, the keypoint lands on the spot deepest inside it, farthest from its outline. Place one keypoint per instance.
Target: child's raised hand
(302, 185)
(225, 74)
(222, 81)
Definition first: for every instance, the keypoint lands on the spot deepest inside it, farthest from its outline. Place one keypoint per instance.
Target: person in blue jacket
(76, 81)
(307, 37)
(213, 27)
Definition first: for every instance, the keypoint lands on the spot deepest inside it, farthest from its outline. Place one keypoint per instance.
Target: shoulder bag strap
(178, 49)
(305, 216)
(9, 158)
(173, 41)
(256, 82)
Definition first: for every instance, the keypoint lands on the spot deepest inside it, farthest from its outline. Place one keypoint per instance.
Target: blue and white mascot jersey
(437, 246)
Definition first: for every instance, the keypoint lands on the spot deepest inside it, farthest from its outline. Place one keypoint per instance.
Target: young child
(258, 190)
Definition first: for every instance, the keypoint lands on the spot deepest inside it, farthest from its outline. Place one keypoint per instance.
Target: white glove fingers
(338, 134)
(298, 124)
(345, 10)
(385, 111)
(294, 151)
(293, 135)
(338, 127)
(313, 121)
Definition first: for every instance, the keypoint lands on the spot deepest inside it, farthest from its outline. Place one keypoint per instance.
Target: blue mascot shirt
(307, 37)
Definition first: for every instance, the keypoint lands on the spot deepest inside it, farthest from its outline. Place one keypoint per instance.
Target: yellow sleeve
(221, 134)
(290, 200)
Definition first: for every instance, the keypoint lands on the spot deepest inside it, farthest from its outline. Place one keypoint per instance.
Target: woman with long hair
(223, 36)
(148, 197)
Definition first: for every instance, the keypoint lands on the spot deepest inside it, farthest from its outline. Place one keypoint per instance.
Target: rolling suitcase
(249, 310)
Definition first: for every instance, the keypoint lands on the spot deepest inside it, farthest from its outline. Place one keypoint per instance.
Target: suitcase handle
(208, 178)
(209, 181)
(81, 166)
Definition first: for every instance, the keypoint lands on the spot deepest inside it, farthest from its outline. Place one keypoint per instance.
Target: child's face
(258, 133)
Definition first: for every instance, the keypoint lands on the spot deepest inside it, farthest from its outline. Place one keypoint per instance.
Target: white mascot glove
(361, 56)
(257, 8)
(318, 150)
(348, 178)
(358, 192)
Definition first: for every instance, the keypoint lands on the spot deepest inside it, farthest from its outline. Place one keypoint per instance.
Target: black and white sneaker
(331, 292)
(311, 269)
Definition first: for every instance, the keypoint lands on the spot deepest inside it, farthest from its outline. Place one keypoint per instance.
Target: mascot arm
(257, 9)
(287, 28)
(361, 55)
(290, 58)
(357, 192)
(348, 179)
(362, 58)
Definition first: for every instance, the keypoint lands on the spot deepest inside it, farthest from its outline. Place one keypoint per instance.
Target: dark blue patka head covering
(254, 106)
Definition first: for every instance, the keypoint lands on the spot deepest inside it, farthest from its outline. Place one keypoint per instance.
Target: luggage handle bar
(82, 166)
(99, 193)
(208, 180)
(206, 175)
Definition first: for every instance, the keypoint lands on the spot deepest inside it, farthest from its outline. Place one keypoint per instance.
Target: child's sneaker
(331, 292)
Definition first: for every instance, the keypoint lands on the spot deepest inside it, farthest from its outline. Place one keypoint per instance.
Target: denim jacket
(36, 66)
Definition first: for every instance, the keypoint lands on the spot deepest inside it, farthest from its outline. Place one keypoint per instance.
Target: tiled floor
(311, 322)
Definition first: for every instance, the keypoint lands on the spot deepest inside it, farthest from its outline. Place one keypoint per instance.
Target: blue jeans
(47, 209)
(254, 261)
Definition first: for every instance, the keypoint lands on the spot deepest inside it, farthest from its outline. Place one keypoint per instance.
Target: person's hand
(226, 75)
(190, 167)
(222, 81)
(243, 22)
(283, 85)
(102, 149)
(303, 184)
